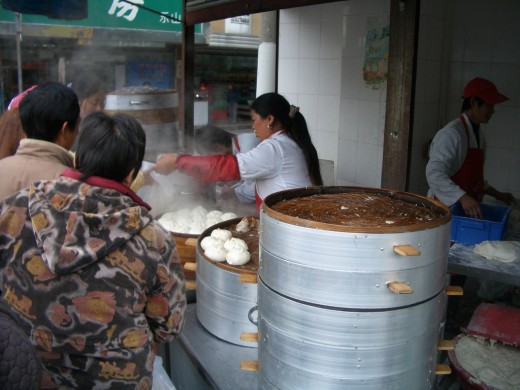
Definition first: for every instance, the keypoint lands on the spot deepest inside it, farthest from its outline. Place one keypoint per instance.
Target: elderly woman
(87, 272)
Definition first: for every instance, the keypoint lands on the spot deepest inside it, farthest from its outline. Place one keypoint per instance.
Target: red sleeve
(210, 168)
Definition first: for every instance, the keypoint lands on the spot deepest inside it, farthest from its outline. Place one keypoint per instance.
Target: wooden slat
(445, 345)
(442, 369)
(454, 290)
(191, 241)
(399, 287)
(249, 365)
(246, 336)
(190, 285)
(189, 266)
(248, 278)
(406, 250)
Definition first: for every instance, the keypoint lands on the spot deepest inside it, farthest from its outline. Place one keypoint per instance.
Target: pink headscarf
(15, 102)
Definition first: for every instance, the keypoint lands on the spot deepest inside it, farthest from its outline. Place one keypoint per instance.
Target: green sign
(161, 15)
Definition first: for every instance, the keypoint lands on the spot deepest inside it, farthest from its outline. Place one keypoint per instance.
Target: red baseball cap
(485, 90)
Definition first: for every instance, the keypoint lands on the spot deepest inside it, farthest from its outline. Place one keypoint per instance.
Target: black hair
(86, 84)
(466, 103)
(110, 147)
(46, 108)
(295, 127)
(208, 137)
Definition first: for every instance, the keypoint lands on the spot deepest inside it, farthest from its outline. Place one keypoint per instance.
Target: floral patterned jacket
(92, 279)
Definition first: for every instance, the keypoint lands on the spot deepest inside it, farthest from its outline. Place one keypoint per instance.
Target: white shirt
(276, 164)
(447, 154)
(245, 190)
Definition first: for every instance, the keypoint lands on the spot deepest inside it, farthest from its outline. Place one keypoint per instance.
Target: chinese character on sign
(173, 18)
(126, 10)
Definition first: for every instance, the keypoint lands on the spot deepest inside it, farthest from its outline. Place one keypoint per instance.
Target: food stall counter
(199, 360)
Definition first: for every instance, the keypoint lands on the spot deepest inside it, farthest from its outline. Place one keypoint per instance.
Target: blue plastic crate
(468, 230)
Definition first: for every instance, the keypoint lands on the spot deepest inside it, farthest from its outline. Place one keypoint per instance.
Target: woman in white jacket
(284, 159)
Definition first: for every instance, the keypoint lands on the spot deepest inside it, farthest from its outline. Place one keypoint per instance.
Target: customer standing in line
(284, 159)
(91, 95)
(455, 170)
(88, 273)
(50, 117)
(11, 130)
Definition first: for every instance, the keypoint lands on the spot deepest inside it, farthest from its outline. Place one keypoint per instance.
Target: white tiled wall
(309, 70)
(320, 62)
(346, 119)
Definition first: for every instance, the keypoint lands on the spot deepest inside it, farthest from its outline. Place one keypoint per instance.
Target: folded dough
(506, 251)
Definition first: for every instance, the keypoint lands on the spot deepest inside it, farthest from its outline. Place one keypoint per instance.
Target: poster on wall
(375, 63)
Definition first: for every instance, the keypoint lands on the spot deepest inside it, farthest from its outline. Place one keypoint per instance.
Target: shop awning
(200, 11)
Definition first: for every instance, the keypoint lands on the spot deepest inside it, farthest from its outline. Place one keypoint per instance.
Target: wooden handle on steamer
(454, 290)
(190, 285)
(445, 345)
(399, 287)
(249, 365)
(406, 250)
(246, 336)
(190, 266)
(248, 278)
(191, 242)
(442, 369)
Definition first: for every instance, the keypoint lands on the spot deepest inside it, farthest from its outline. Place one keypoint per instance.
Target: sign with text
(162, 15)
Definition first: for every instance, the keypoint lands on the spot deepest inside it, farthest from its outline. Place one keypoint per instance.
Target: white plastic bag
(161, 380)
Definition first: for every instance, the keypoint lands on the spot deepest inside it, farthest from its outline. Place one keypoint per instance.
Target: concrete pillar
(266, 70)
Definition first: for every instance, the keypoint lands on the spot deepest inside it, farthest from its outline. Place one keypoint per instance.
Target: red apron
(235, 142)
(470, 176)
(258, 200)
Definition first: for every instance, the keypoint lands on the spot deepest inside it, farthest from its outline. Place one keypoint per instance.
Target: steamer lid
(497, 322)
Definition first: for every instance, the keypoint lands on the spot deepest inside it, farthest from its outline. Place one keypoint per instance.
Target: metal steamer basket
(332, 313)
(225, 296)
(157, 111)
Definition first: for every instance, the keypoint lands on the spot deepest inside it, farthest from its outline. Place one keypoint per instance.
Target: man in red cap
(455, 170)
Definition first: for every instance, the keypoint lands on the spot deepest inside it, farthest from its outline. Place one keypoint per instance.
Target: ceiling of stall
(200, 11)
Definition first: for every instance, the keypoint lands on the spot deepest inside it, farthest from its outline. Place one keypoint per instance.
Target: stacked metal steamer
(156, 110)
(345, 306)
(227, 295)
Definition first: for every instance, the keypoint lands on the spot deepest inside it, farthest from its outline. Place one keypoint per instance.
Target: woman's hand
(166, 163)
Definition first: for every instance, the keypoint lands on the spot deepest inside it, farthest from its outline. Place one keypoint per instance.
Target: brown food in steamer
(357, 210)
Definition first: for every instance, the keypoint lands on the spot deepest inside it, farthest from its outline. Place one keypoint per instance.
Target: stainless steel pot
(338, 268)
(304, 346)
(225, 296)
(346, 306)
(157, 111)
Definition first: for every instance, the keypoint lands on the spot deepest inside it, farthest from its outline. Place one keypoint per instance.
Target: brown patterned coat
(93, 280)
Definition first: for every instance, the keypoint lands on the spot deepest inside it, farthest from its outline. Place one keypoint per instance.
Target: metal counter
(199, 360)
(463, 261)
